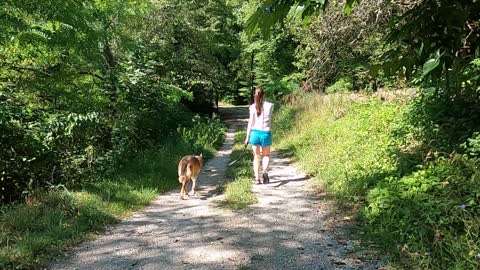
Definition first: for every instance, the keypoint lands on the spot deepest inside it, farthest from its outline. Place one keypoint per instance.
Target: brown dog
(188, 169)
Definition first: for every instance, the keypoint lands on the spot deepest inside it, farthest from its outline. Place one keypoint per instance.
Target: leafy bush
(431, 216)
(46, 149)
(203, 133)
(277, 89)
(147, 116)
(343, 84)
(435, 187)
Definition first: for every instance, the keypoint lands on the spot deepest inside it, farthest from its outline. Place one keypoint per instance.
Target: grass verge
(51, 221)
(238, 191)
(421, 206)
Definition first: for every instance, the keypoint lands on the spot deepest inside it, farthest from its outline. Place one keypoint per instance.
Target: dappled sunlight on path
(285, 230)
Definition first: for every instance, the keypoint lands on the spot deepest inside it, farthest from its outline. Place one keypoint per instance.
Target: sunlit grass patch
(238, 191)
(238, 194)
(32, 233)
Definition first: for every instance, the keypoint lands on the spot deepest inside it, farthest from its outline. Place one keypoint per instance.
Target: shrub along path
(289, 228)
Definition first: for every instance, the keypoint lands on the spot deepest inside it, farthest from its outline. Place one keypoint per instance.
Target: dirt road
(285, 230)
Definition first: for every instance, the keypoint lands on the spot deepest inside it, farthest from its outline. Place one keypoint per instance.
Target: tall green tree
(86, 84)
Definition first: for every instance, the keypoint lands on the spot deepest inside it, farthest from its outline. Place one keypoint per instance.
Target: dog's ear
(201, 155)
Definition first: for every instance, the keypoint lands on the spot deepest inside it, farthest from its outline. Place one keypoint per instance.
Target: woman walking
(259, 135)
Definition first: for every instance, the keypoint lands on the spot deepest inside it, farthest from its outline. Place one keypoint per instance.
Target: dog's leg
(185, 188)
(194, 184)
(183, 191)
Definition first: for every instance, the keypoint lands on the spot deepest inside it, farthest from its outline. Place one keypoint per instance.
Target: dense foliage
(265, 60)
(86, 85)
(413, 166)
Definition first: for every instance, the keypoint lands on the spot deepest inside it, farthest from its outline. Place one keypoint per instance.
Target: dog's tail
(182, 171)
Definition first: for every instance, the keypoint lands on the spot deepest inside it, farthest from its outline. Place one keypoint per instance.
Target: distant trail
(285, 230)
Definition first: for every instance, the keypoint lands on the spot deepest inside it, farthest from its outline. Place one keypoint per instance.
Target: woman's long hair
(259, 95)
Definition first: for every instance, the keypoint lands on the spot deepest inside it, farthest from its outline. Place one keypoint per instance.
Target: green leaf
(374, 69)
(430, 65)
(260, 20)
(349, 5)
(348, 9)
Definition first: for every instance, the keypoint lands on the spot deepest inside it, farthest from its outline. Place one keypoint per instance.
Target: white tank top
(263, 121)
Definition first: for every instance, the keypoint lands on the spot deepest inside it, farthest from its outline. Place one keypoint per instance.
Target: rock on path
(285, 230)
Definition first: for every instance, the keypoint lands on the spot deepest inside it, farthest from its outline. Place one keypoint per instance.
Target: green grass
(238, 191)
(338, 141)
(420, 206)
(52, 221)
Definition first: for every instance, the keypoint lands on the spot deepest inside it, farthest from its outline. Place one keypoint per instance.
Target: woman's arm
(249, 127)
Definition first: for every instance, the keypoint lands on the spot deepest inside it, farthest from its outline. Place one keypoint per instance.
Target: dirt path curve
(285, 230)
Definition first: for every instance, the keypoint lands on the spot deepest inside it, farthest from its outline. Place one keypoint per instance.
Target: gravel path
(287, 229)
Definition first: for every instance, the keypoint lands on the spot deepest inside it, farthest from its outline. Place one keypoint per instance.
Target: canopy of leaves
(340, 46)
(433, 37)
(270, 12)
(86, 84)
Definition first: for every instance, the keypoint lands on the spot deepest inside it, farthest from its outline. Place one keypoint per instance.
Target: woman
(258, 134)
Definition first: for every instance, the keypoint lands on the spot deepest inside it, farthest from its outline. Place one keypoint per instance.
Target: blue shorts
(260, 137)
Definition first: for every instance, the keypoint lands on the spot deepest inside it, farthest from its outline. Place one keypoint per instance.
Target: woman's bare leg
(256, 161)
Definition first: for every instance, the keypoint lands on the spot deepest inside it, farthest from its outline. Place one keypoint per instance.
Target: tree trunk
(111, 65)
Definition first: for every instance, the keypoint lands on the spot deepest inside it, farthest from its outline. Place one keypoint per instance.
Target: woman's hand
(246, 140)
